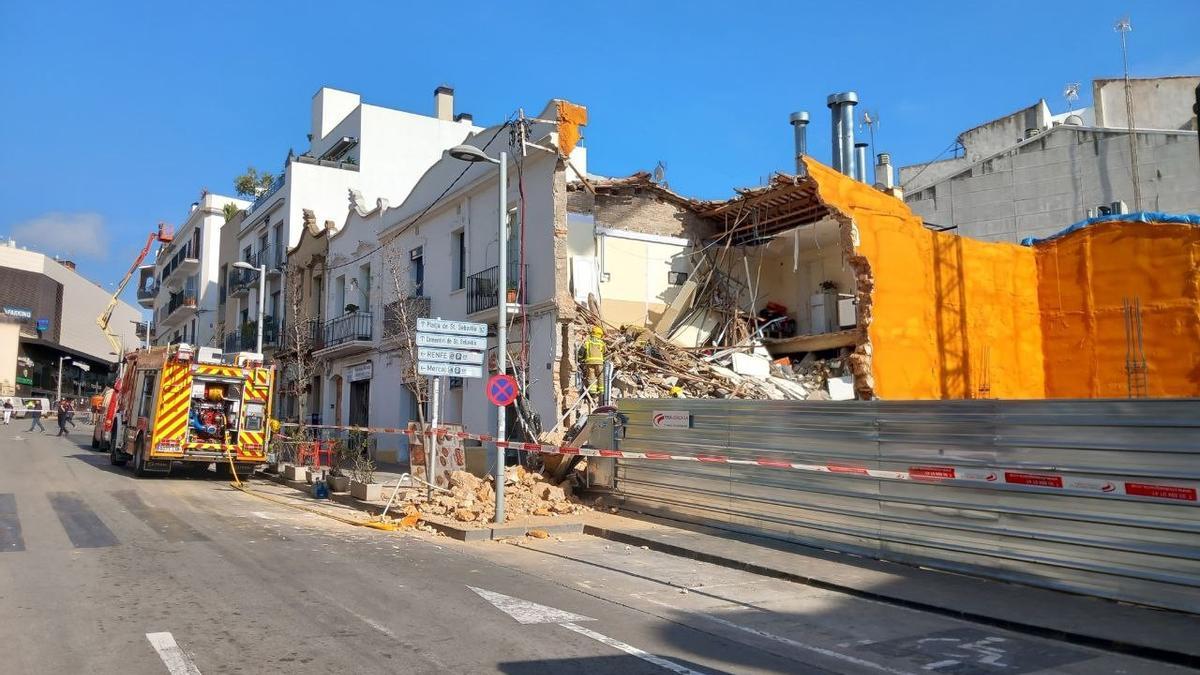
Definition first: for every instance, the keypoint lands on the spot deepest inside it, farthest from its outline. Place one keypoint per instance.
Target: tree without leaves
(400, 322)
(296, 344)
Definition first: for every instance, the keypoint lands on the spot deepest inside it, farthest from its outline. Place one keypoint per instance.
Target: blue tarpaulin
(1139, 217)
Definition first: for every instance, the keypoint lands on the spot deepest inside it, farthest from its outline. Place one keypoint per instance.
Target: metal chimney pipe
(883, 171)
(799, 122)
(860, 161)
(841, 108)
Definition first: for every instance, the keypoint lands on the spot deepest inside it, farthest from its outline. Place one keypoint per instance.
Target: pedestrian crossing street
(82, 526)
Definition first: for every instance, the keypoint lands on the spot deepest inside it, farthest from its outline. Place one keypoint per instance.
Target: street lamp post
(470, 153)
(58, 395)
(262, 295)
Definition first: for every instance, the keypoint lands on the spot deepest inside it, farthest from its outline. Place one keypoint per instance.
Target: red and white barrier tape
(1186, 492)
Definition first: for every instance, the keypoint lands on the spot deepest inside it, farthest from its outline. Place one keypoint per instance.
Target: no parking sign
(502, 389)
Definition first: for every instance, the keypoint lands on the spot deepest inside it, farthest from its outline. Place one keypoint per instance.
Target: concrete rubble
(472, 500)
(647, 366)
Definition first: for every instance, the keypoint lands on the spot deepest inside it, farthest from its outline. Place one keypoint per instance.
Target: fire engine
(177, 404)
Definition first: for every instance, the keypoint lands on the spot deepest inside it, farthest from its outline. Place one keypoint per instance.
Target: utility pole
(58, 395)
(1123, 27)
(502, 332)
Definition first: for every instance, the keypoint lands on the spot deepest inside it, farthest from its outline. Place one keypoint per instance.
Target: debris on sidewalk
(472, 500)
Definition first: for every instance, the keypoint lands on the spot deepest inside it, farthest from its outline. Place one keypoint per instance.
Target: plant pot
(297, 473)
(367, 492)
(338, 483)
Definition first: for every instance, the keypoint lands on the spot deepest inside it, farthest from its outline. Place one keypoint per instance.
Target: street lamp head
(470, 153)
(243, 265)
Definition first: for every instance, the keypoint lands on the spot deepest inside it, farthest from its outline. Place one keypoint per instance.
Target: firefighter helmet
(597, 331)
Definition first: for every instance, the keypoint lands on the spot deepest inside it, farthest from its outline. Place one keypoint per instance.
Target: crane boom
(163, 235)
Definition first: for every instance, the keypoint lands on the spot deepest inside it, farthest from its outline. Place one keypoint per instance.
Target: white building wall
(83, 300)
(209, 217)
(1049, 183)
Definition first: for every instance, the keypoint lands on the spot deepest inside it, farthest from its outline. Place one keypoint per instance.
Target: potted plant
(362, 478)
(351, 308)
(336, 478)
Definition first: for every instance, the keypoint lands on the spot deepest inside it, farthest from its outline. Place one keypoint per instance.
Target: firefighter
(592, 353)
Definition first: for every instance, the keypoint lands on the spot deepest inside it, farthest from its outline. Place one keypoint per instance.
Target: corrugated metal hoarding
(1090, 496)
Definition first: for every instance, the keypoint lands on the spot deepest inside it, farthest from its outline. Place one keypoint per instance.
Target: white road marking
(526, 612)
(941, 664)
(833, 654)
(631, 650)
(172, 655)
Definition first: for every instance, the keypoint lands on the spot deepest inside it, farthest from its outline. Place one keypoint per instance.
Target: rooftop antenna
(1071, 93)
(1124, 27)
(660, 173)
(870, 120)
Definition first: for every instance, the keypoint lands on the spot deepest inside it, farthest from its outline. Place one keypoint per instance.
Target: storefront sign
(359, 371)
(19, 312)
(43, 325)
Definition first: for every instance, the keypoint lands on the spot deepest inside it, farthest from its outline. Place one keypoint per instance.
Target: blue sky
(115, 115)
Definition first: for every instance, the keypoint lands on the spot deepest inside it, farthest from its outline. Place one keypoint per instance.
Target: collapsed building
(821, 264)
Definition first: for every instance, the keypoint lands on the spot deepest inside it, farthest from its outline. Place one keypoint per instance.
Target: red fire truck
(178, 404)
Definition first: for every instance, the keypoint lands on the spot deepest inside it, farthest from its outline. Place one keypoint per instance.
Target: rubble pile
(811, 373)
(472, 499)
(647, 366)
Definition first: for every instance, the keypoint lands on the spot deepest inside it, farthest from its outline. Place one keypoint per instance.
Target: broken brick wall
(636, 290)
(949, 317)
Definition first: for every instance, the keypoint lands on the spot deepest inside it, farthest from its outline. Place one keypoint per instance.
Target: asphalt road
(104, 573)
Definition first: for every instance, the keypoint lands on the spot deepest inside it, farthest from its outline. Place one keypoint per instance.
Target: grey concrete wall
(1047, 184)
(1158, 103)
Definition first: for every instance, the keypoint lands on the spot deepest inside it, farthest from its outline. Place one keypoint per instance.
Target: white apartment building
(438, 253)
(182, 286)
(372, 151)
(1033, 173)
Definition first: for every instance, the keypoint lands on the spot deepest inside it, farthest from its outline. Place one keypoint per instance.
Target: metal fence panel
(1134, 547)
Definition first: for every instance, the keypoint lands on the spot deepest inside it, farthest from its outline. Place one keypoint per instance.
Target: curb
(1107, 644)
(454, 532)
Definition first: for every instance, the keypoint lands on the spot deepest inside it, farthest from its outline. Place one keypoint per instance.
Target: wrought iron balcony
(262, 199)
(349, 332)
(241, 281)
(483, 287)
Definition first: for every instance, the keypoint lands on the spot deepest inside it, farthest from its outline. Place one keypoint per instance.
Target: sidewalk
(1159, 634)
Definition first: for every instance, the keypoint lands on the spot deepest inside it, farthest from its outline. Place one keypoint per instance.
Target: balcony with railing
(245, 339)
(274, 258)
(266, 196)
(347, 334)
(483, 287)
(147, 288)
(180, 306)
(241, 281)
(181, 263)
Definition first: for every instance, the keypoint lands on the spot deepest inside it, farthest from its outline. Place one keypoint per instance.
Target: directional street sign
(449, 355)
(449, 369)
(452, 327)
(451, 341)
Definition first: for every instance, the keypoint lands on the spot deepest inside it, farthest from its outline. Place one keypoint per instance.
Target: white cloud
(70, 235)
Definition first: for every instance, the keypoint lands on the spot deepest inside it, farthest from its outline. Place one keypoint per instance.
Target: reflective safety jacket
(593, 350)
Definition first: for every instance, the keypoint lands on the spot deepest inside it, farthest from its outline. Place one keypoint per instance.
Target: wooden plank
(813, 343)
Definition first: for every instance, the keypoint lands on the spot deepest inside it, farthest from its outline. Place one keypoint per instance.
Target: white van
(19, 405)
